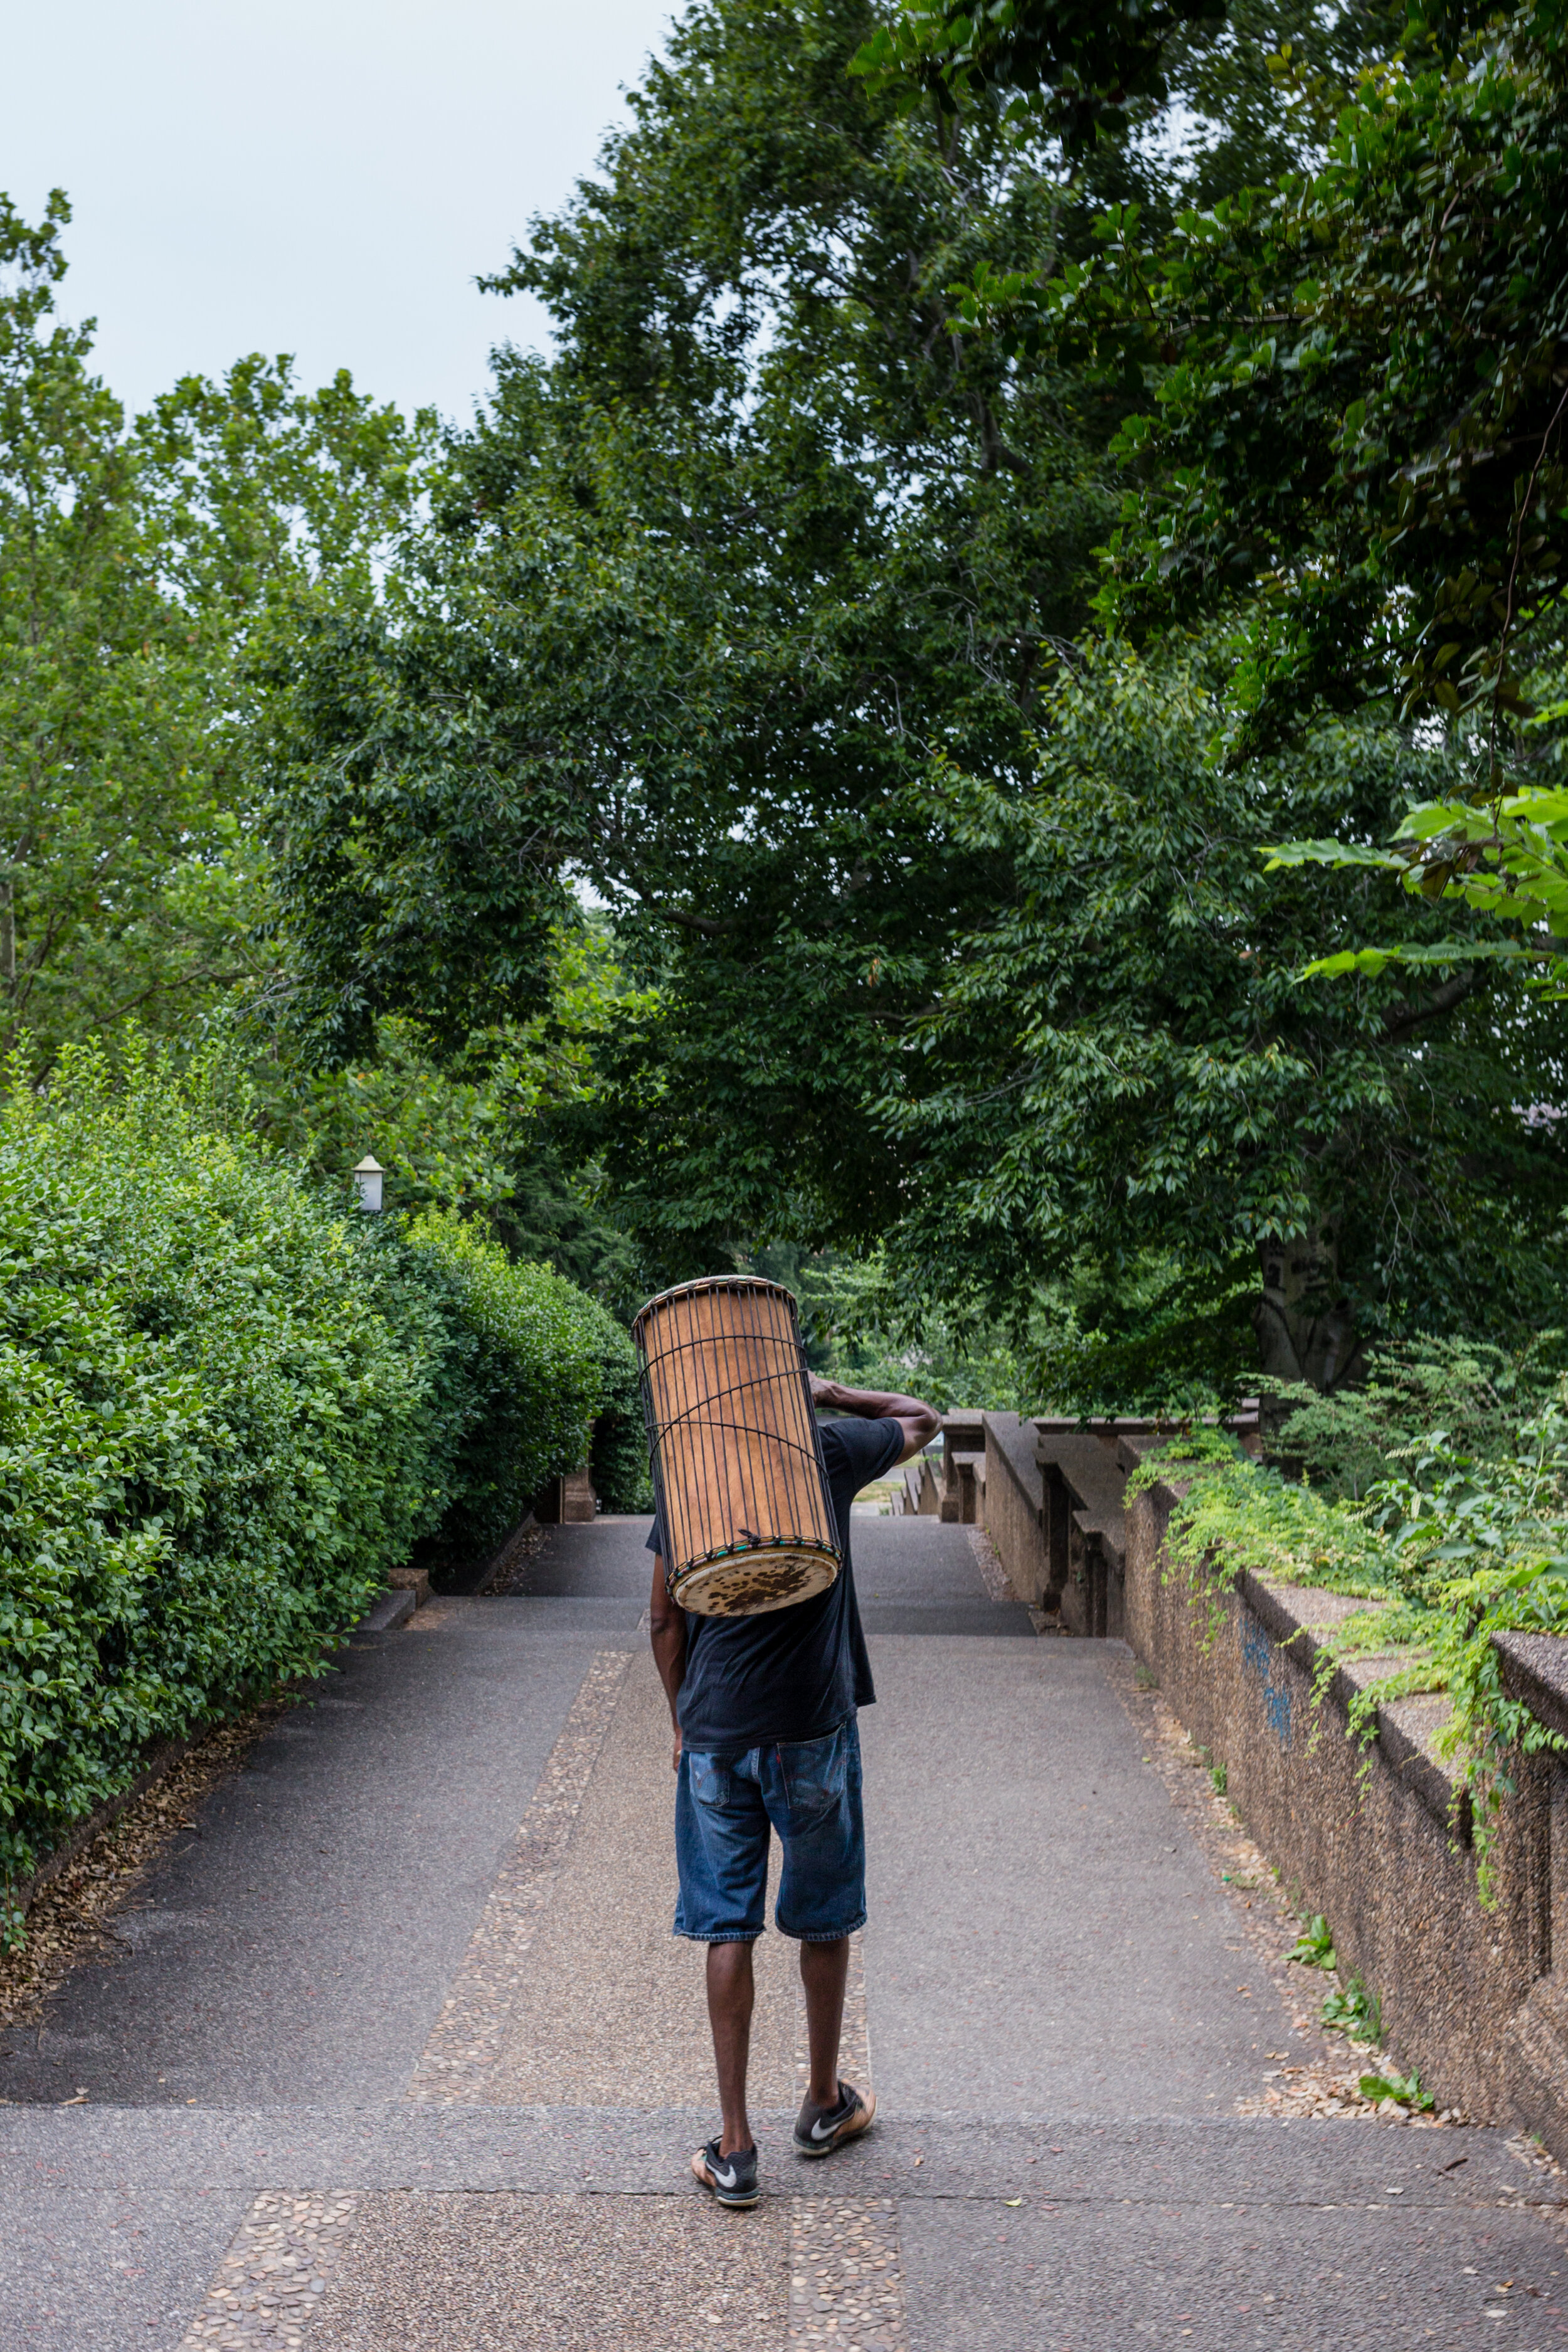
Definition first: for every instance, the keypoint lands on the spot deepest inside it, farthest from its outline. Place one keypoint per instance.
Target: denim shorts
(807, 1790)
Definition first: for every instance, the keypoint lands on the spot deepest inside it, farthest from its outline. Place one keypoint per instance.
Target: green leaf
(1284, 854)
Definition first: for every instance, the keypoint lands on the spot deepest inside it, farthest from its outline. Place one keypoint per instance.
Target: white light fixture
(367, 1180)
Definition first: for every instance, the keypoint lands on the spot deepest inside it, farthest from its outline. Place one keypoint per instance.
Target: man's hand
(675, 1759)
(920, 1421)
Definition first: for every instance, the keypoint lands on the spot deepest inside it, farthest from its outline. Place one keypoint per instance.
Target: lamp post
(367, 1182)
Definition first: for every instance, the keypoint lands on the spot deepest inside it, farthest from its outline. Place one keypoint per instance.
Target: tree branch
(705, 924)
(1399, 1025)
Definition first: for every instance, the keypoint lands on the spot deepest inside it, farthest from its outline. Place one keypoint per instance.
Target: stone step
(1222, 2163)
(388, 1612)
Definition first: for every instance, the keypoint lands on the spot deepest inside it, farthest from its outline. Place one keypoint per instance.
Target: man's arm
(666, 1632)
(919, 1421)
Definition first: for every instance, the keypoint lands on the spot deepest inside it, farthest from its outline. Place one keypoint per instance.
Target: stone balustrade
(1053, 1511)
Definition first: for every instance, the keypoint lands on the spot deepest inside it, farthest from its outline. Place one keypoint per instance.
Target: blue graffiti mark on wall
(1257, 1657)
(1255, 1647)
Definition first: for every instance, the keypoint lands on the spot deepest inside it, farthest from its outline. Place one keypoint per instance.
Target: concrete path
(399, 2051)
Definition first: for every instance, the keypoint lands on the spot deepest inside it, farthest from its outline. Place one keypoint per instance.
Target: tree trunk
(1305, 1325)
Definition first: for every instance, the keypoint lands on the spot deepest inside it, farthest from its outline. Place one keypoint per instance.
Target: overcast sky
(324, 177)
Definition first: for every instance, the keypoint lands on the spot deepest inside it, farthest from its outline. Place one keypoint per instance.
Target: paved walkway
(381, 2068)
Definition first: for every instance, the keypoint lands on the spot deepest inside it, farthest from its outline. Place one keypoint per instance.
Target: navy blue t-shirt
(795, 1673)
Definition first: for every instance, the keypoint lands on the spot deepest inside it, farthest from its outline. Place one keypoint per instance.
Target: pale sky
(324, 177)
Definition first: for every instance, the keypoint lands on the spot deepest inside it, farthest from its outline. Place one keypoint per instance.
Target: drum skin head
(749, 1581)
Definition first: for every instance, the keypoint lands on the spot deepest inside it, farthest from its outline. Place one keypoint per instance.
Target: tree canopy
(1343, 466)
(770, 611)
(141, 565)
(893, 739)
(700, 598)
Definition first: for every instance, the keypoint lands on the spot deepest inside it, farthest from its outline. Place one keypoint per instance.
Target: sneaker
(733, 2177)
(819, 2130)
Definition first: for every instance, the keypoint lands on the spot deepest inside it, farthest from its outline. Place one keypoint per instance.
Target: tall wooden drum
(735, 1449)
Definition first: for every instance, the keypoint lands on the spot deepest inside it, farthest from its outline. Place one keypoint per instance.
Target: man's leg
(824, 1972)
(732, 1992)
(816, 1804)
(721, 1851)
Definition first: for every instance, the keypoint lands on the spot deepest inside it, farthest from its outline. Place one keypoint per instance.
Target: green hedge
(535, 1388)
(619, 1455)
(556, 1386)
(227, 1409)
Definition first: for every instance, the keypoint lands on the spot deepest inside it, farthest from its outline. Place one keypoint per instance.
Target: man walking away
(764, 1714)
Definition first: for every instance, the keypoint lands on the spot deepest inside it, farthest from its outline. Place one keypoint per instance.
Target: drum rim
(716, 1282)
(806, 1545)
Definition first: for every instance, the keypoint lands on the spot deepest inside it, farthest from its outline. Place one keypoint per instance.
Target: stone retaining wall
(1015, 1504)
(1053, 1510)
(1374, 1838)
(1378, 1838)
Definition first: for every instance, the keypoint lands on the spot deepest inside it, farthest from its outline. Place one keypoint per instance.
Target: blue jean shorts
(809, 1790)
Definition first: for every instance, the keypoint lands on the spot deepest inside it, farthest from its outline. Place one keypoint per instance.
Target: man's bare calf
(732, 1997)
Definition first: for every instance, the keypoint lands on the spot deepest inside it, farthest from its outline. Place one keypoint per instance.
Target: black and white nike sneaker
(819, 2130)
(733, 2177)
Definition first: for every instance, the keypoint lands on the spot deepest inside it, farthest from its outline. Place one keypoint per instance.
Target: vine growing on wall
(1448, 1551)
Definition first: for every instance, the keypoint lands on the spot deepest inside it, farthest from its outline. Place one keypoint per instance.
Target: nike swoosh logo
(825, 2131)
(726, 2179)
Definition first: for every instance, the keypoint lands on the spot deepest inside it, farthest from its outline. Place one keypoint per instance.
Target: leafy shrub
(227, 1410)
(1236, 1513)
(535, 1384)
(1476, 1394)
(215, 1440)
(556, 1384)
(619, 1455)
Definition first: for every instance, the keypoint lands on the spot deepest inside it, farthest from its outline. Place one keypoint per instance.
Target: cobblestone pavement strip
(847, 2285)
(270, 2282)
(485, 2273)
(465, 2039)
(607, 1963)
(609, 2009)
(846, 2271)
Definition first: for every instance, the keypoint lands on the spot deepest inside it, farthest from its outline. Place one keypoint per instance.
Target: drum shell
(748, 1520)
